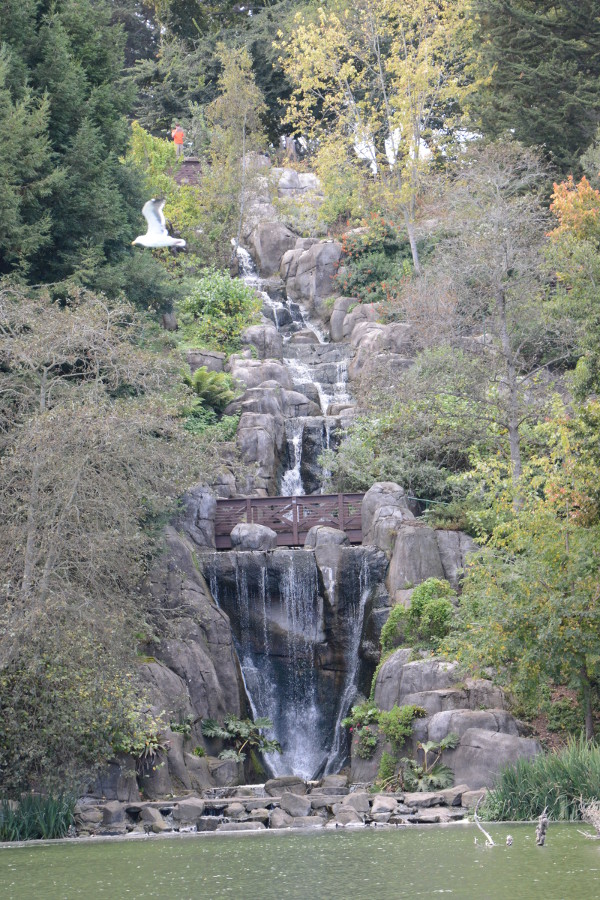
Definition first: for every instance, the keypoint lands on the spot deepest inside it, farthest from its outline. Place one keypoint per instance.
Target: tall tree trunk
(410, 230)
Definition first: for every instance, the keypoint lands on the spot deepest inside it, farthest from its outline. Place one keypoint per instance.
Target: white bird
(157, 234)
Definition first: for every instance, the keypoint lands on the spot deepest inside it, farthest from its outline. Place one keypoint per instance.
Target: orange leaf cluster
(577, 208)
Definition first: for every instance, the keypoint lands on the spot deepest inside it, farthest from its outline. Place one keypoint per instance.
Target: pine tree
(540, 65)
(25, 173)
(64, 112)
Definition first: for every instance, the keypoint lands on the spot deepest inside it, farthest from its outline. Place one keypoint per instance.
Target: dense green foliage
(34, 816)
(375, 260)
(64, 120)
(560, 781)
(425, 622)
(366, 722)
(525, 49)
(216, 310)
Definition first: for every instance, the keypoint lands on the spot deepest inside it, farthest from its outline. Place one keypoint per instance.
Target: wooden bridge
(291, 517)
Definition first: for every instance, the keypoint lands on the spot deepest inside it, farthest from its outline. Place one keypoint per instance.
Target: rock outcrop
(474, 709)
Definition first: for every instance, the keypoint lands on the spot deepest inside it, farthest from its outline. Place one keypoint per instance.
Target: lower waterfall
(297, 629)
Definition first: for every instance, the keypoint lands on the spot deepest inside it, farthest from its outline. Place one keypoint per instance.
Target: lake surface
(349, 865)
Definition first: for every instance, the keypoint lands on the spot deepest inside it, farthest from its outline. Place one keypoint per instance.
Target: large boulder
(266, 339)
(415, 558)
(295, 804)
(212, 360)
(375, 343)
(269, 397)
(362, 312)
(275, 787)
(454, 547)
(253, 372)
(482, 754)
(384, 510)
(461, 720)
(197, 646)
(197, 518)
(260, 441)
(117, 781)
(180, 778)
(324, 535)
(338, 314)
(399, 678)
(268, 242)
(248, 536)
(313, 273)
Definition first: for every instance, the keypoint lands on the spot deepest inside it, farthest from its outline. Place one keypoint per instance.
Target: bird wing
(152, 211)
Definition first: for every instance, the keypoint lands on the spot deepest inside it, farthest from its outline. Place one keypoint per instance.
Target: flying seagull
(157, 234)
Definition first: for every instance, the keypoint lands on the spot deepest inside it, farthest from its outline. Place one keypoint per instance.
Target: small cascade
(291, 480)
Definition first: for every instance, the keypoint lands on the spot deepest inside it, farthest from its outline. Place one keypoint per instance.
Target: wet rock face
(297, 617)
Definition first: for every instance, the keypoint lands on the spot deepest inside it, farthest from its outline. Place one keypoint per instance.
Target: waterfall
(299, 655)
(291, 481)
(276, 614)
(298, 642)
(339, 750)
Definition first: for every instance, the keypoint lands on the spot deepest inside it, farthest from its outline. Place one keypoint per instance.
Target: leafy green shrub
(366, 742)
(216, 311)
(387, 767)
(425, 622)
(565, 716)
(559, 781)
(362, 714)
(35, 817)
(397, 723)
(199, 751)
(206, 422)
(375, 259)
(394, 629)
(184, 727)
(429, 774)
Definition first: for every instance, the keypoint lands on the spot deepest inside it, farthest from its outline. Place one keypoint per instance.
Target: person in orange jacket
(178, 137)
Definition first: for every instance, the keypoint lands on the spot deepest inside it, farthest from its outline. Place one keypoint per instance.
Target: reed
(559, 781)
(34, 817)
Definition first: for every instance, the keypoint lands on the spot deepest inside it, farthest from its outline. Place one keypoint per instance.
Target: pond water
(353, 865)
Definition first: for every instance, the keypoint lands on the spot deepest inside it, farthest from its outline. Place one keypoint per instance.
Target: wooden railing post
(341, 511)
(249, 510)
(294, 520)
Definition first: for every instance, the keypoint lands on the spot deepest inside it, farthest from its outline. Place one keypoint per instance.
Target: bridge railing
(291, 517)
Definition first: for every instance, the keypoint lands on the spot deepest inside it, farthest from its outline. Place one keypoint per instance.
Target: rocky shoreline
(287, 802)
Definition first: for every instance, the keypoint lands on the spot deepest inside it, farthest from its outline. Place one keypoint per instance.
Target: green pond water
(370, 864)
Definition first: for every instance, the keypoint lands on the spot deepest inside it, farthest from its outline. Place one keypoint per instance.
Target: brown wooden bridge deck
(291, 517)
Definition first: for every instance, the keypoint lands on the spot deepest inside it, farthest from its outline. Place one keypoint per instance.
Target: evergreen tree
(539, 61)
(25, 172)
(63, 115)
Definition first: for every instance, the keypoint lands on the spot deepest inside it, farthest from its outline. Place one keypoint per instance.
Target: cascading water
(291, 481)
(297, 634)
(275, 609)
(339, 747)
